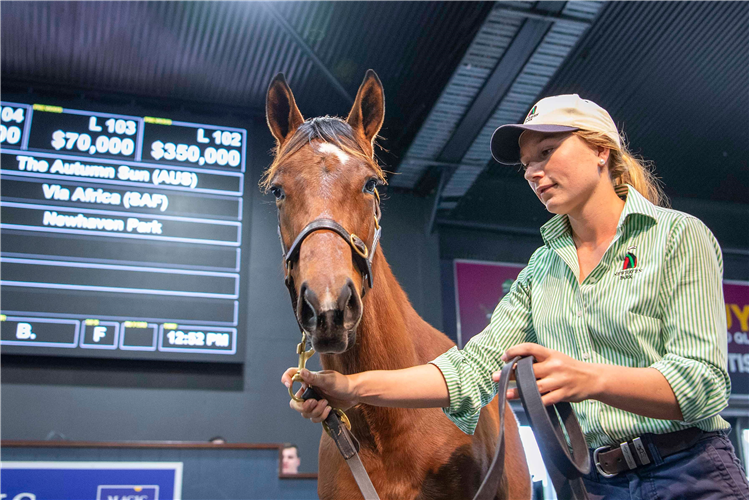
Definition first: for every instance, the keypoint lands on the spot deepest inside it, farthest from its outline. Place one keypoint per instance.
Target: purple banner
(737, 318)
(479, 286)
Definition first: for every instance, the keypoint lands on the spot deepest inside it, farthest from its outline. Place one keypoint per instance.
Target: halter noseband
(362, 255)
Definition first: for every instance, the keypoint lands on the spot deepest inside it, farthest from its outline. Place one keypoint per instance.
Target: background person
(622, 309)
(290, 460)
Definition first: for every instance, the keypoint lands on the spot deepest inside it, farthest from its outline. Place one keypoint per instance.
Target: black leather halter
(345, 441)
(361, 254)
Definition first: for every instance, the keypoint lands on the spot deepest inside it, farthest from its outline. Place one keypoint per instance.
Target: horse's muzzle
(330, 320)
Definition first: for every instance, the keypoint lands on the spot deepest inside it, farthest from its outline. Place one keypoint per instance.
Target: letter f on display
(99, 333)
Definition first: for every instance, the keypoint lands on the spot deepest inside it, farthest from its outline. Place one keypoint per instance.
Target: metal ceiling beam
(504, 74)
(444, 174)
(536, 14)
(436, 163)
(499, 82)
(285, 26)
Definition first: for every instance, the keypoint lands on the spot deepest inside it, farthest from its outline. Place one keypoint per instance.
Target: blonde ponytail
(625, 168)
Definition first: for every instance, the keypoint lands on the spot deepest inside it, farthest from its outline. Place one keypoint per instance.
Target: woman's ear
(603, 154)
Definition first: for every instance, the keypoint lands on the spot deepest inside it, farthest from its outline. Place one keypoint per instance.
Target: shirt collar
(635, 203)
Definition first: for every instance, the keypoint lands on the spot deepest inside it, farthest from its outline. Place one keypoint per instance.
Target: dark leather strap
(565, 470)
(347, 444)
(490, 485)
(364, 264)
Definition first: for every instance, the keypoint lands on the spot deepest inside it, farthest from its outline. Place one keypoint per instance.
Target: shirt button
(586, 355)
(579, 314)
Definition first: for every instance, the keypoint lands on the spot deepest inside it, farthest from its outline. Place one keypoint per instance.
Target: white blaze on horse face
(328, 148)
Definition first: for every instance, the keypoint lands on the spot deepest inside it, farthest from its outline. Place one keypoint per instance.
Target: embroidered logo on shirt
(629, 266)
(630, 260)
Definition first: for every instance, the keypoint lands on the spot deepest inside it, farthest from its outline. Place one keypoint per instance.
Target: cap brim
(504, 143)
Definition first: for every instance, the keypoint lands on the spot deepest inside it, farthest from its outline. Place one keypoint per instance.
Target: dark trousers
(709, 470)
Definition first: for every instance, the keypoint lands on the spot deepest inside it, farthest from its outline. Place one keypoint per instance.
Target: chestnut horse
(325, 168)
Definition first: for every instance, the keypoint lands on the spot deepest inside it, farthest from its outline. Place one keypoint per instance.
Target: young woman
(622, 309)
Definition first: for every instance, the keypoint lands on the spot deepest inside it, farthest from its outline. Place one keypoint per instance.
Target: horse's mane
(324, 128)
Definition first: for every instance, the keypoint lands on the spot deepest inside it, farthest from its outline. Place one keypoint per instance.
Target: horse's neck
(391, 334)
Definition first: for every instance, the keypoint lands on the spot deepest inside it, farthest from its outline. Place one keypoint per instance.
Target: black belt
(635, 453)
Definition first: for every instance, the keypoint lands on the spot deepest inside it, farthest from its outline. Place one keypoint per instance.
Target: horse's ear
(281, 111)
(368, 112)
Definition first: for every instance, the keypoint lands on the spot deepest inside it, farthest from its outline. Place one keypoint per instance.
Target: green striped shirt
(654, 300)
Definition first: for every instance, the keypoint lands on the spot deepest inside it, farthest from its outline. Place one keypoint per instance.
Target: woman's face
(562, 169)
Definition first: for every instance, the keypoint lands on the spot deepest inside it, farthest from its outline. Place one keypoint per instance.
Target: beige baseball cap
(560, 113)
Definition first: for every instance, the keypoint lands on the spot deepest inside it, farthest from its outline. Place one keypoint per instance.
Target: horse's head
(324, 178)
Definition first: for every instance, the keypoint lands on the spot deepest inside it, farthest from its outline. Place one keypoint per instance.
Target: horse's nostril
(343, 298)
(344, 313)
(307, 307)
(352, 309)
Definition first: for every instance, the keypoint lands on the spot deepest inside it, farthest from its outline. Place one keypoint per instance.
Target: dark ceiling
(675, 78)
(674, 75)
(211, 54)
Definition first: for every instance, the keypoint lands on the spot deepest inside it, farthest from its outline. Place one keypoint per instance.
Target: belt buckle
(598, 464)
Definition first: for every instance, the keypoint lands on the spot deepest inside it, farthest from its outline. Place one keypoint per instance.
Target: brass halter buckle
(359, 246)
(344, 419)
(303, 357)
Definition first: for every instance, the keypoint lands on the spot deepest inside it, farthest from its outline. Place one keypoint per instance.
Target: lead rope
(565, 470)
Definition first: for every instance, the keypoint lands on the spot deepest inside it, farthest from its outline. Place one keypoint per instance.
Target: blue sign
(91, 480)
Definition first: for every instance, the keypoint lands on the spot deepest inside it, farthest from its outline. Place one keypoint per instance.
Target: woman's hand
(559, 377)
(336, 389)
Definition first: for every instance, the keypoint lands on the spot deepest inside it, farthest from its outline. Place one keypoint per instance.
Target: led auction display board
(121, 235)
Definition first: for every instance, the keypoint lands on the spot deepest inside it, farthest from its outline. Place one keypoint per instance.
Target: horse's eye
(278, 192)
(370, 186)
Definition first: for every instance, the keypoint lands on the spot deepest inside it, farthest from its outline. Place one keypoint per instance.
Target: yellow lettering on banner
(92, 322)
(170, 326)
(729, 318)
(2, 317)
(742, 315)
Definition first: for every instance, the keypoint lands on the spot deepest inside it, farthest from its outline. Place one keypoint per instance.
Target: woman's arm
(458, 381)
(644, 391)
(694, 326)
(420, 386)
(417, 387)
